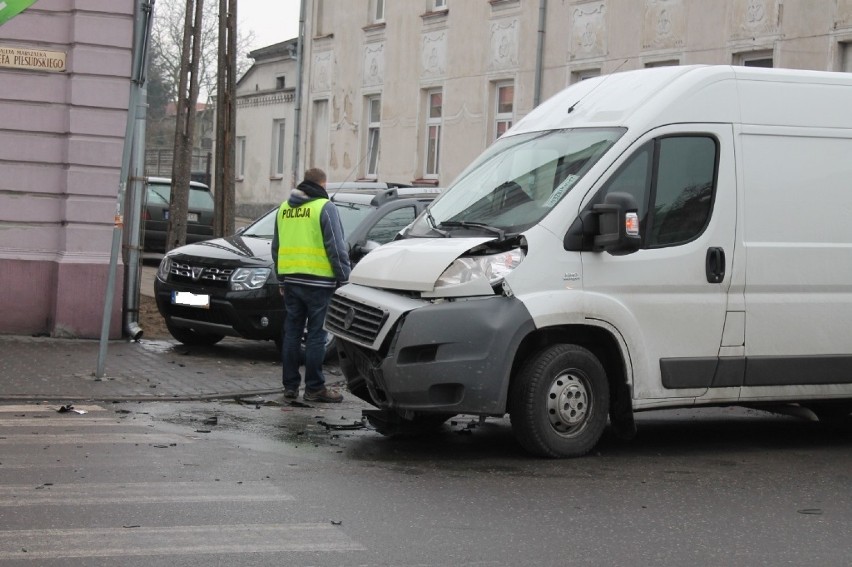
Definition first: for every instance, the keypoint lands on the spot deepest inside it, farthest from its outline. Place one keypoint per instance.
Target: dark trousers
(306, 306)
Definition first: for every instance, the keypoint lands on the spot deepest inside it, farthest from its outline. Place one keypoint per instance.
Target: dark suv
(225, 286)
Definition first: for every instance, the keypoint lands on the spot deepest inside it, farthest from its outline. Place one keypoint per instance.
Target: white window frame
(278, 157)
(440, 6)
(373, 139)
(240, 158)
(433, 124)
(377, 11)
(583, 74)
(503, 120)
(742, 59)
(845, 50)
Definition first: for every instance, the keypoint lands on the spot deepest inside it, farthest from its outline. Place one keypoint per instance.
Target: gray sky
(271, 21)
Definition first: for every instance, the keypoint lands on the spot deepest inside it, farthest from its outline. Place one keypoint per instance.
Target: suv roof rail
(384, 196)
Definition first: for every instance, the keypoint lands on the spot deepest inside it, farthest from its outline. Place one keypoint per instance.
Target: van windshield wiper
(435, 226)
(471, 225)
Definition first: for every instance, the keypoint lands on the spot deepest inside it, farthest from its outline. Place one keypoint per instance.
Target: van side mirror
(618, 225)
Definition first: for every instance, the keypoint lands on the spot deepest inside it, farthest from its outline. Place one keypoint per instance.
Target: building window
(504, 108)
(667, 63)
(377, 11)
(846, 57)
(374, 116)
(754, 59)
(434, 112)
(577, 76)
(278, 148)
(240, 157)
(440, 5)
(280, 83)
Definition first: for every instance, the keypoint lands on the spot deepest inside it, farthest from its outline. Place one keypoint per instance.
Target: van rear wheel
(559, 401)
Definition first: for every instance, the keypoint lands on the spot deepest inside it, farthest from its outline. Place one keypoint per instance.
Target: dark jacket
(333, 238)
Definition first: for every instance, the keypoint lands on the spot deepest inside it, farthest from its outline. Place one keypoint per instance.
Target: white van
(661, 238)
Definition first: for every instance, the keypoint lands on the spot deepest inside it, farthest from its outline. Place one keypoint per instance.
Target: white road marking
(76, 421)
(139, 493)
(53, 408)
(173, 540)
(92, 438)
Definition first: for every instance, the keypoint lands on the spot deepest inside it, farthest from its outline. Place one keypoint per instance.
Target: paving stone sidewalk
(48, 369)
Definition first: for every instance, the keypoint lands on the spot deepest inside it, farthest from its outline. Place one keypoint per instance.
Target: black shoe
(325, 395)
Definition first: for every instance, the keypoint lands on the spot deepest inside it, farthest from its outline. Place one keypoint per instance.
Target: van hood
(233, 249)
(413, 264)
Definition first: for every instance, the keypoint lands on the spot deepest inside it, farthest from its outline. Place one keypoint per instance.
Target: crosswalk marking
(139, 493)
(91, 438)
(24, 408)
(173, 540)
(62, 421)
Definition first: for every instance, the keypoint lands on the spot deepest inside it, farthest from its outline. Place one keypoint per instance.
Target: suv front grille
(354, 320)
(182, 272)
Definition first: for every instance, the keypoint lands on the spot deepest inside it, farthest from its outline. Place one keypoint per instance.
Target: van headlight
(492, 268)
(165, 268)
(244, 279)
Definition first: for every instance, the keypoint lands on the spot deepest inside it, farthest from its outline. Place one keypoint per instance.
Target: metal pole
(141, 31)
(297, 110)
(539, 53)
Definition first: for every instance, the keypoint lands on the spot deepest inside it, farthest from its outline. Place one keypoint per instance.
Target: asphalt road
(257, 483)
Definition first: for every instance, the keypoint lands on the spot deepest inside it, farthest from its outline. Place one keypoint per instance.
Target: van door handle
(715, 265)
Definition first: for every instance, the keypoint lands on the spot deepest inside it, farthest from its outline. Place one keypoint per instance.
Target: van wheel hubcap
(567, 403)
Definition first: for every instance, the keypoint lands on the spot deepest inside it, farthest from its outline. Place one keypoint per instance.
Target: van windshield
(517, 181)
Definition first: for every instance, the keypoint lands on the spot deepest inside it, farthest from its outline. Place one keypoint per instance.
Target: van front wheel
(559, 401)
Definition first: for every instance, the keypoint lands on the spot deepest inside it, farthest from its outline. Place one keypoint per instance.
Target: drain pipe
(133, 223)
(539, 53)
(143, 13)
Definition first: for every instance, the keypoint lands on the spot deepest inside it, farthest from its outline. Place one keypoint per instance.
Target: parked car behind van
(226, 286)
(155, 213)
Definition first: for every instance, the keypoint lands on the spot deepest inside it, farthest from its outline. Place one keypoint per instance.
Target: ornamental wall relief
(434, 54)
(752, 18)
(374, 64)
(322, 69)
(504, 45)
(664, 24)
(588, 31)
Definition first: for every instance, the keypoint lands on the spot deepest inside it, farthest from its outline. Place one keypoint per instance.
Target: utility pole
(226, 122)
(185, 124)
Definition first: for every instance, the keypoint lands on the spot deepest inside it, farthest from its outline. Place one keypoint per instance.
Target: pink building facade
(64, 88)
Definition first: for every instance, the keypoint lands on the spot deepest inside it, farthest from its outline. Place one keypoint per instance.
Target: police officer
(311, 259)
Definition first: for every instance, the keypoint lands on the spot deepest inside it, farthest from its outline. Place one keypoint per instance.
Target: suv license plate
(191, 299)
(190, 217)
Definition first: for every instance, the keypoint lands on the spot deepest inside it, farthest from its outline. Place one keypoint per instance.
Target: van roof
(697, 93)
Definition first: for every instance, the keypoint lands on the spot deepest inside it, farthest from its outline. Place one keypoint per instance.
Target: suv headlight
(165, 268)
(244, 279)
(492, 268)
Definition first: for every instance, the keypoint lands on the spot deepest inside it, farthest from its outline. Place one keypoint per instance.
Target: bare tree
(187, 96)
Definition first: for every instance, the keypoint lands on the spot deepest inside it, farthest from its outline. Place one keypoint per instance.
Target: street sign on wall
(11, 8)
(35, 59)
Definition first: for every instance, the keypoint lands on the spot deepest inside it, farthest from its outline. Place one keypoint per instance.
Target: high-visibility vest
(301, 249)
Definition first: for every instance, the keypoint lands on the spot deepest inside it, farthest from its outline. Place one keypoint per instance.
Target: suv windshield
(351, 215)
(518, 180)
(199, 197)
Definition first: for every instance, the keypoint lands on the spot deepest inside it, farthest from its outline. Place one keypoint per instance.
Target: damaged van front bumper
(450, 356)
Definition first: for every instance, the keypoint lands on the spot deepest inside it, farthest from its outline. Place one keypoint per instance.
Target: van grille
(354, 320)
(183, 272)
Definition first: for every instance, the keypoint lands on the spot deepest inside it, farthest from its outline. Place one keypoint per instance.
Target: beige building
(413, 90)
(265, 125)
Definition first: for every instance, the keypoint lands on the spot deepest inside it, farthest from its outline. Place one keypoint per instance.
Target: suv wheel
(191, 337)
